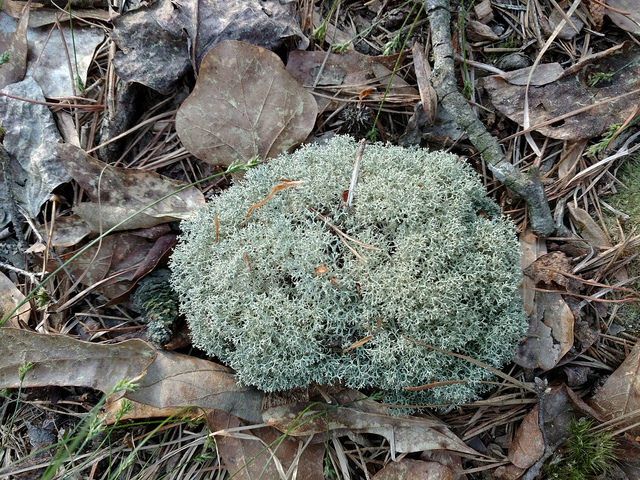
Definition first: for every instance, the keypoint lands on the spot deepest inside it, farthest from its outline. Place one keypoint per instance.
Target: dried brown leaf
(479, 32)
(543, 74)
(350, 73)
(115, 192)
(177, 381)
(531, 247)
(550, 334)
(64, 361)
(405, 434)
(588, 228)
(10, 297)
(548, 269)
(570, 93)
(630, 20)
(428, 95)
(244, 456)
(244, 105)
(620, 395)
(121, 259)
(527, 446)
(408, 469)
(67, 231)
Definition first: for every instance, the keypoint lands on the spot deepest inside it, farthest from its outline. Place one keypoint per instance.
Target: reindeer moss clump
(305, 289)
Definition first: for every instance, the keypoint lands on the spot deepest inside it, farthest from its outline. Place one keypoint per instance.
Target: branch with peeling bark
(525, 184)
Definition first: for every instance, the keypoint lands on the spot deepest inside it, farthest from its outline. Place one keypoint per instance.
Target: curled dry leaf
(63, 361)
(113, 266)
(570, 93)
(10, 297)
(620, 395)
(116, 193)
(244, 105)
(405, 434)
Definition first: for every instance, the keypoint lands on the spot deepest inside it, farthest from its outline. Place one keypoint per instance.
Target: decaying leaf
(114, 265)
(33, 165)
(531, 247)
(67, 232)
(630, 21)
(15, 46)
(41, 16)
(588, 228)
(175, 380)
(166, 32)
(549, 268)
(44, 49)
(428, 95)
(244, 105)
(63, 361)
(350, 72)
(116, 193)
(544, 73)
(620, 395)
(244, 456)
(561, 406)
(572, 92)
(10, 297)
(550, 334)
(405, 434)
(408, 469)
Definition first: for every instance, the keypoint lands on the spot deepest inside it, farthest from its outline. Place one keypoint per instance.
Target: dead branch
(443, 79)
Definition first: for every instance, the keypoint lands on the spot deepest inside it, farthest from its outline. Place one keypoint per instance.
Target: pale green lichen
(279, 297)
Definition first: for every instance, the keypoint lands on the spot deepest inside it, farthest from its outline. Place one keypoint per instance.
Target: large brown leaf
(178, 381)
(116, 193)
(63, 361)
(244, 104)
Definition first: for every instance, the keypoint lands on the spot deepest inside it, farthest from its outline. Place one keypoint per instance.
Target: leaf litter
(573, 282)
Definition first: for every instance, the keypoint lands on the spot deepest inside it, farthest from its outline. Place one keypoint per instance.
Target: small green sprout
(605, 140)
(4, 58)
(600, 77)
(392, 45)
(24, 369)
